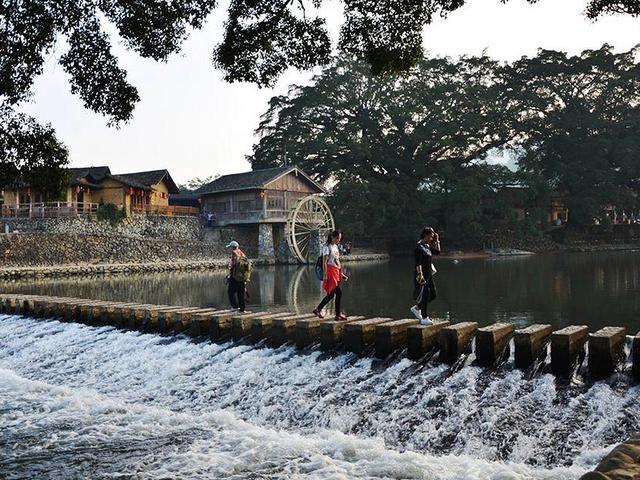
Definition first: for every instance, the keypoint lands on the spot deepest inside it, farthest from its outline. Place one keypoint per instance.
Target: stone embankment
(57, 249)
(57, 260)
(138, 226)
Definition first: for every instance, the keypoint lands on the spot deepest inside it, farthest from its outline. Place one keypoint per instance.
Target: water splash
(168, 407)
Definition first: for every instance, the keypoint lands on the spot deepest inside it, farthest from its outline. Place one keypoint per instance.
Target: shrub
(109, 212)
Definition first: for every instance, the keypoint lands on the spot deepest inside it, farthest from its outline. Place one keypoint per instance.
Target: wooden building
(260, 196)
(274, 212)
(90, 187)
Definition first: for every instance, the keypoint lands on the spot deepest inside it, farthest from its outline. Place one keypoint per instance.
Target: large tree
(382, 139)
(262, 38)
(583, 134)
(411, 148)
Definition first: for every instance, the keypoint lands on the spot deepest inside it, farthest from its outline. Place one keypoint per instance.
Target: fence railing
(48, 210)
(249, 216)
(169, 210)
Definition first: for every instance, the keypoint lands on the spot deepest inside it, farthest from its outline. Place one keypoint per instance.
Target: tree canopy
(261, 39)
(419, 141)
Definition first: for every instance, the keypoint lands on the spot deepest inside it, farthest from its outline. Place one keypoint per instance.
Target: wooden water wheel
(311, 213)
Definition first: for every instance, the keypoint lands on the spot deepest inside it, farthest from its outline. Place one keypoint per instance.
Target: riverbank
(72, 270)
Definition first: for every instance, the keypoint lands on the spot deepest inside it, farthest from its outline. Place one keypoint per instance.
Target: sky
(193, 123)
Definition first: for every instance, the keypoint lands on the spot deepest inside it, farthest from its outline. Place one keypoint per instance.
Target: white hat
(233, 244)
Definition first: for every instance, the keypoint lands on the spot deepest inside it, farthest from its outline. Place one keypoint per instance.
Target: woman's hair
(426, 231)
(332, 235)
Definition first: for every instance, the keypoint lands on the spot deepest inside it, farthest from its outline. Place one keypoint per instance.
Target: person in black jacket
(425, 290)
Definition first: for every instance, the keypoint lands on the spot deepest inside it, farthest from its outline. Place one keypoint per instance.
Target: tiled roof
(249, 180)
(90, 176)
(145, 180)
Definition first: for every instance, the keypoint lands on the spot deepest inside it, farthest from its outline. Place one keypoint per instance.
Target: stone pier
(566, 345)
(241, 326)
(220, 324)
(357, 334)
(531, 344)
(423, 339)
(360, 334)
(455, 339)
(266, 248)
(307, 331)
(392, 336)
(283, 329)
(606, 350)
(492, 343)
(332, 332)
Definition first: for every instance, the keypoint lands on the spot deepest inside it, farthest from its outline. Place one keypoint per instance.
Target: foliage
(32, 154)
(262, 39)
(350, 124)
(583, 139)
(413, 147)
(195, 183)
(109, 212)
(381, 137)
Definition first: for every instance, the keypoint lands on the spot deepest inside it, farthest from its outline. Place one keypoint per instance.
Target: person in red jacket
(333, 275)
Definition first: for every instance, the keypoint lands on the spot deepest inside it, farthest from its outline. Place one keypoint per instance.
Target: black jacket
(423, 256)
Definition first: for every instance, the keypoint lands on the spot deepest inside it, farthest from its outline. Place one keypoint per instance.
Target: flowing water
(86, 402)
(82, 402)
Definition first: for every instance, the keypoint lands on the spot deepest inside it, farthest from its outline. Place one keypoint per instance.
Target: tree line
(406, 150)
(261, 39)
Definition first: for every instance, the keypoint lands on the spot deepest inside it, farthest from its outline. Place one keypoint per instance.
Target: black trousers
(424, 294)
(236, 293)
(336, 292)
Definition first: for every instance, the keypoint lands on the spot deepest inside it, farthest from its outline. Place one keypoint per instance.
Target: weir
(360, 335)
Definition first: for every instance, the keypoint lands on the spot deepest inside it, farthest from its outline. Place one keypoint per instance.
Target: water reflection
(595, 289)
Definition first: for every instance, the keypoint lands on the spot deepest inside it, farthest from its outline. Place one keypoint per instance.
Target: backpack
(319, 268)
(242, 270)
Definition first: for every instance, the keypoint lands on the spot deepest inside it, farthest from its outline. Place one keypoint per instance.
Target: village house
(258, 196)
(257, 206)
(90, 187)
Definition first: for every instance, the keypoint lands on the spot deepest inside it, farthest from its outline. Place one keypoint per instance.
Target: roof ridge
(143, 171)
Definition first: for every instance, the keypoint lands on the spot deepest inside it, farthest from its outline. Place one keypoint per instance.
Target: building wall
(293, 183)
(228, 202)
(111, 192)
(157, 198)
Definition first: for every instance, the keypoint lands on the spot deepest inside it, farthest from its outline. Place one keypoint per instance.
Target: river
(82, 402)
(594, 289)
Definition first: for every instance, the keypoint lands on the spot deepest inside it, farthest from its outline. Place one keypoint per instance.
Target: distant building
(275, 212)
(90, 187)
(259, 196)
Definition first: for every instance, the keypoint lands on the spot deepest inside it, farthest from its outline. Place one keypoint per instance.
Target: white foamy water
(83, 402)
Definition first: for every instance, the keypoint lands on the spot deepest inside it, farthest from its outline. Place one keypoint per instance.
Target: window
(275, 203)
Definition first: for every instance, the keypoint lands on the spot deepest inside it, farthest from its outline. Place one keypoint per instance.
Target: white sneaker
(416, 312)
(426, 321)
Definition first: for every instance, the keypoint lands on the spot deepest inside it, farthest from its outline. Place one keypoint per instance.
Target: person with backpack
(425, 289)
(332, 275)
(239, 274)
